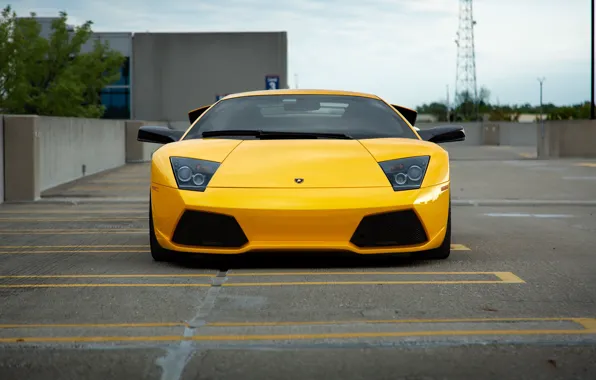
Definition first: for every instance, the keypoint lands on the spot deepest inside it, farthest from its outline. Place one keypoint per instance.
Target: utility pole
(448, 106)
(592, 111)
(541, 80)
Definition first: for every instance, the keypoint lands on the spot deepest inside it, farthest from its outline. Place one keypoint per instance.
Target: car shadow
(297, 260)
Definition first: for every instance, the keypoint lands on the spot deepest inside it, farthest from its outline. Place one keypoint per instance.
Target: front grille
(396, 228)
(207, 229)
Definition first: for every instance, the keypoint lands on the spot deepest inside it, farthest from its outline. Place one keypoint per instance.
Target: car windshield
(355, 116)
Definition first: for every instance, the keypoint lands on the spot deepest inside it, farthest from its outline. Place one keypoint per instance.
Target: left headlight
(193, 174)
(406, 173)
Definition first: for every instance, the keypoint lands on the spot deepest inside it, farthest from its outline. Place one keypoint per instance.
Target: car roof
(300, 92)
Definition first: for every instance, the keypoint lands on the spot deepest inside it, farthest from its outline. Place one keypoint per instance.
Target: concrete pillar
(137, 151)
(134, 148)
(21, 157)
(491, 134)
(548, 137)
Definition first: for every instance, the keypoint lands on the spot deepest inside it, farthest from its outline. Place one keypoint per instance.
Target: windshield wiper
(275, 134)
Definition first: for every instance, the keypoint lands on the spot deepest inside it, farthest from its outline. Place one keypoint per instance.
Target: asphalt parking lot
(82, 298)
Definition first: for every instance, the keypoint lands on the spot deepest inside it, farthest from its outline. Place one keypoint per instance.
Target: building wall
(177, 72)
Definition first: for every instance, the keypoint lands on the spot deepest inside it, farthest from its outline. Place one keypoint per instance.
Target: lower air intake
(206, 229)
(391, 229)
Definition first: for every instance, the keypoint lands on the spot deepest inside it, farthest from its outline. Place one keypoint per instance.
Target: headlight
(192, 174)
(406, 173)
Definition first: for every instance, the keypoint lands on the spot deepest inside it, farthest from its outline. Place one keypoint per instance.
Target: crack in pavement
(174, 362)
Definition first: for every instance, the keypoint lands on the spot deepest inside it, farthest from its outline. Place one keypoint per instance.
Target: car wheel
(442, 252)
(157, 251)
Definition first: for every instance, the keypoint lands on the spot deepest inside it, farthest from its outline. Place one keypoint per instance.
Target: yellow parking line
(509, 278)
(90, 325)
(368, 273)
(73, 220)
(528, 155)
(74, 251)
(79, 212)
(73, 246)
(75, 232)
(587, 164)
(100, 285)
(261, 337)
(113, 275)
(310, 283)
(459, 247)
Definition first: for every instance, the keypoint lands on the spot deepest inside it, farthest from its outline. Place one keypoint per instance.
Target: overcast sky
(402, 50)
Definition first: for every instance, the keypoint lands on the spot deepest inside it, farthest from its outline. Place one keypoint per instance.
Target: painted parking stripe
(499, 278)
(504, 276)
(587, 164)
(524, 215)
(75, 212)
(71, 220)
(290, 337)
(75, 231)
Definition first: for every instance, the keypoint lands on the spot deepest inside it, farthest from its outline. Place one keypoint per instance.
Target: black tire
(157, 251)
(444, 250)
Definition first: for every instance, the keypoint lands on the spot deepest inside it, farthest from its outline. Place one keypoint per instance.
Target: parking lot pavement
(81, 297)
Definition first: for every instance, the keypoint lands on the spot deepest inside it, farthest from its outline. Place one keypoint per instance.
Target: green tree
(52, 77)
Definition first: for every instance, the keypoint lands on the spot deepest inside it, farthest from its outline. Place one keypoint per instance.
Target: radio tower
(465, 77)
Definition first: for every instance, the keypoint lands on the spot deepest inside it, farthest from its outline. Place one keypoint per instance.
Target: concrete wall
(1, 158)
(137, 151)
(567, 139)
(177, 72)
(518, 134)
(494, 133)
(71, 148)
(473, 131)
(43, 152)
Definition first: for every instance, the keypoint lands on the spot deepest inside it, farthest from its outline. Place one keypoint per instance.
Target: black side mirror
(443, 134)
(158, 135)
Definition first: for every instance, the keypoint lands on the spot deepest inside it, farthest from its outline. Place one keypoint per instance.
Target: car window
(359, 117)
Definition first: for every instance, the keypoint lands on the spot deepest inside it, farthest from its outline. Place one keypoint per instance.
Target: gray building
(165, 75)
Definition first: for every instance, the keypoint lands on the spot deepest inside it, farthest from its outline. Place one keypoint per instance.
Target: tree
(52, 77)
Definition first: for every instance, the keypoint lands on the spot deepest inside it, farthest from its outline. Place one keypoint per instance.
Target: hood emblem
(298, 180)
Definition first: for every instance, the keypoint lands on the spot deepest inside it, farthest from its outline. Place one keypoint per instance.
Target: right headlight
(193, 174)
(406, 173)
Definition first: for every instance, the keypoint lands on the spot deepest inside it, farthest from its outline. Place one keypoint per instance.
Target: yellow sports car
(300, 170)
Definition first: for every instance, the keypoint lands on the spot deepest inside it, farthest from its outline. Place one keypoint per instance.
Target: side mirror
(443, 134)
(158, 134)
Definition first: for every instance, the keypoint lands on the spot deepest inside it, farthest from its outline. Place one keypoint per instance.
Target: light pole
(541, 80)
(592, 111)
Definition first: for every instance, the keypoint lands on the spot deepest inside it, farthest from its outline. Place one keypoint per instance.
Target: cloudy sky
(402, 50)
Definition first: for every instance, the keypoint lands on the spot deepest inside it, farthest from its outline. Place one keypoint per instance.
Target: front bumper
(238, 220)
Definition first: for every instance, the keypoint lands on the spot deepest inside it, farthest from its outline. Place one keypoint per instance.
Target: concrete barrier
(567, 139)
(71, 148)
(495, 133)
(44, 152)
(474, 133)
(137, 151)
(1, 159)
(40, 153)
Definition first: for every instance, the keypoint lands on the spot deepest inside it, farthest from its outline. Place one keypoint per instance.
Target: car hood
(286, 163)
